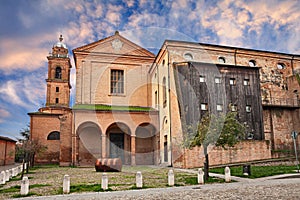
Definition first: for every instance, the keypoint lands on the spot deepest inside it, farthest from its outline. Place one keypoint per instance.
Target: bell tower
(58, 81)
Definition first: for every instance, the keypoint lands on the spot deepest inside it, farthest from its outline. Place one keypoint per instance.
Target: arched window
(222, 60)
(188, 56)
(54, 135)
(164, 92)
(281, 66)
(58, 72)
(252, 63)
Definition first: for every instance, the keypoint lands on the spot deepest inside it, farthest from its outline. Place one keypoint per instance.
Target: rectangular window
(204, 106)
(246, 82)
(56, 100)
(233, 108)
(232, 81)
(117, 82)
(202, 79)
(57, 89)
(248, 108)
(217, 80)
(219, 107)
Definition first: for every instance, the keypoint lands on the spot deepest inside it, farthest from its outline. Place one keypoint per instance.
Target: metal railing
(284, 102)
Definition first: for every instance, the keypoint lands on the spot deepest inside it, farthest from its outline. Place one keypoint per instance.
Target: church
(136, 106)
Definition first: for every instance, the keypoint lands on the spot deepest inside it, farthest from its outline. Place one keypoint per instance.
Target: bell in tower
(58, 81)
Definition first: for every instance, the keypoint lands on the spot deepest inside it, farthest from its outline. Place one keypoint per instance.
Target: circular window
(222, 60)
(280, 66)
(188, 56)
(252, 63)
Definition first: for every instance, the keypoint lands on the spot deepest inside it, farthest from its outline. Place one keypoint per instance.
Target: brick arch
(89, 143)
(119, 141)
(87, 124)
(146, 144)
(120, 126)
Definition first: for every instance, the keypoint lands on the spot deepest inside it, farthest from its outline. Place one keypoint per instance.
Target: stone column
(171, 181)
(10, 173)
(200, 176)
(2, 178)
(24, 186)
(6, 175)
(15, 171)
(66, 184)
(103, 145)
(104, 181)
(133, 141)
(227, 175)
(139, 180)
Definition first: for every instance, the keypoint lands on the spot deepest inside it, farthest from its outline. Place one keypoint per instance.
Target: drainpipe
(235, 56)
(5, 150)
(158, 98)
(272, 131)
(74, 140)
(292, 65)
(170, 118)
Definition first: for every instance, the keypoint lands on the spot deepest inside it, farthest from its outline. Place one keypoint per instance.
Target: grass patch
(44, 166)
(15, 188)
(258, 171)
(19, 195)
(136, 188)
(38, 185)
(15, 179)
(84, 188)
(193, 180)
(110, 108)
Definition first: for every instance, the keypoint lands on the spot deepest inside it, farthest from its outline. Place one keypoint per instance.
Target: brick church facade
(134, 105)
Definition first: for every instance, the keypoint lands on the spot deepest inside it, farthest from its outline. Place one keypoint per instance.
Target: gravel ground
(279, 187)
(263, 189)
(50, 179)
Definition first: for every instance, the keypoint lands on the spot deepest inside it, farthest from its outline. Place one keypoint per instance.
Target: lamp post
(294, 136)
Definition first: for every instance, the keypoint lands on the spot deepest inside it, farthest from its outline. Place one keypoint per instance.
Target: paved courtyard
(265, 188)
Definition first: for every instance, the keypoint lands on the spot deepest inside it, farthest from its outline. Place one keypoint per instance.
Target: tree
(28, 149)
(222, 130)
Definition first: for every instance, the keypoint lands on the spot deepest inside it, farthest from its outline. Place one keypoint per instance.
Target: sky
(29, 29)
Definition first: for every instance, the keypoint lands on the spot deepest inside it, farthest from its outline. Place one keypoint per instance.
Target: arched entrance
(145, 144)
(119, 142)
(89, 143)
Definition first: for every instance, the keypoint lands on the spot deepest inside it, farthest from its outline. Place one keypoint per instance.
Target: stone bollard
(6, 175)
(2, 178)
(171, 181)
(24, 186)
(20, 169)
(66, 184)
(10, 173)
(200, 176)
(25, 166)
(227, 175)
(104, 181)
(139, 180)
(15, 172)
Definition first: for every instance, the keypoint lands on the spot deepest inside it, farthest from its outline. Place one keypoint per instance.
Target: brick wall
(243, 152)
(7, 152)
(65, 148)
(41, 126)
